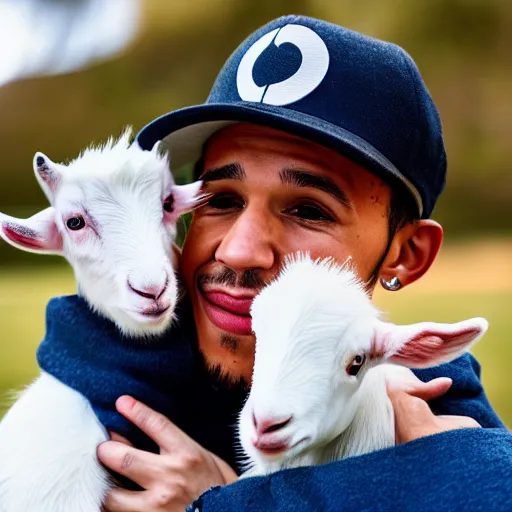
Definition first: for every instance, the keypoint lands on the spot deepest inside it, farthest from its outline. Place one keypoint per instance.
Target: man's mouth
(229, 312)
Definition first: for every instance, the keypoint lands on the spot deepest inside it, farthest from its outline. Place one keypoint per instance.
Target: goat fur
(325, 319)
(49, 437)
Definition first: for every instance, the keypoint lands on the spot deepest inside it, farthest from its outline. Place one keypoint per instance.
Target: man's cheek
(198, 250)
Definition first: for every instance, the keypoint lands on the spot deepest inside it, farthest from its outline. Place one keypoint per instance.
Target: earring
(392, 285)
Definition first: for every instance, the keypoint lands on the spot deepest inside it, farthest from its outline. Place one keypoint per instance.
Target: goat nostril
(268, 425)
(146, 295)
(277, 426)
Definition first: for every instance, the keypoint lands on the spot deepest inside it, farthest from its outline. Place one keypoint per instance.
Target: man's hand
(413, 417)
(172, 479)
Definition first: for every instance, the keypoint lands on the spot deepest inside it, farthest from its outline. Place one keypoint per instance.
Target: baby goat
(113, 216)
(319, 384)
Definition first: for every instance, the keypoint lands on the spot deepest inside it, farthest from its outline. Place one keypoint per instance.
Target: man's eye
(310, 212)
(225, 202)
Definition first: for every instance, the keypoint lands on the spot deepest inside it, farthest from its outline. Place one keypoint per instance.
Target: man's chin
(223, 377)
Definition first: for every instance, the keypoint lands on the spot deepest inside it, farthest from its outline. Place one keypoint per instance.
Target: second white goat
(319, 384)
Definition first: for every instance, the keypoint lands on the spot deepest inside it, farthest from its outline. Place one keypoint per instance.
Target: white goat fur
(310, 324)
(48, 439)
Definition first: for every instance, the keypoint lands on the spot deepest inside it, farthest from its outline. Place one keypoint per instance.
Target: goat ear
(162, 149)
(48, 174)
(37, 234)
(426, 344)
(188, 197)
(156, 147)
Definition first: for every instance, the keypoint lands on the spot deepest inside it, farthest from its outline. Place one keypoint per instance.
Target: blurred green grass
(25, 292)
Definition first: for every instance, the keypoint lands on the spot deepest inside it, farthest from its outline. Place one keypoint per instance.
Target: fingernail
(125, 402)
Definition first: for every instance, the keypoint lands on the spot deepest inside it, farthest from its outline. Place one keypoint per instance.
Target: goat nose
(270, 424)
(149, 291)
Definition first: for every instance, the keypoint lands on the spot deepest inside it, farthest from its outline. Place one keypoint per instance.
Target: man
(320, 139)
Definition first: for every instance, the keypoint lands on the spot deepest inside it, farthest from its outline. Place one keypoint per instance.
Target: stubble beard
(229, 342)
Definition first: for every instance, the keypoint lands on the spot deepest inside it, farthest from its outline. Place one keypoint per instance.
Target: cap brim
(185, 131)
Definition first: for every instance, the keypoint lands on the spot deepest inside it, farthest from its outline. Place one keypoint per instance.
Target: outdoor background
(77, 71)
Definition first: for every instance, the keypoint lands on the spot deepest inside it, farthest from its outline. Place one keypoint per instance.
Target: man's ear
(38, 234)
(425, 344)
(412, 252)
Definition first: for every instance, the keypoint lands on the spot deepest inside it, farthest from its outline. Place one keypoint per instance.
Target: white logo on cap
(315, 62)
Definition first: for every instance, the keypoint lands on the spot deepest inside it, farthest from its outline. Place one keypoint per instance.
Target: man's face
(273, 194)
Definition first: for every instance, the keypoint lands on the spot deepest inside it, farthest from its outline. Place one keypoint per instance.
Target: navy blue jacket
(89, 354)
(462, 470)
(466, 470)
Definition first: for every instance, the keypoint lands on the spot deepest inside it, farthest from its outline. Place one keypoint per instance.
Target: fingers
(414, 386)
(432, 389)
(413, 417)
(225, 469)
(121, 500)
(165, 434)
(139, 466)
(458, 421)
(114, 436)
(172, 479)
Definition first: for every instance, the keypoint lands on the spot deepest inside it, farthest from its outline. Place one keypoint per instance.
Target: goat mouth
(272, 447)
(155, 313)
(279, 447)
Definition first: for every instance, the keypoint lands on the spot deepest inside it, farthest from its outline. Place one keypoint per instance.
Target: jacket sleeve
(460, 470)
(466, 397)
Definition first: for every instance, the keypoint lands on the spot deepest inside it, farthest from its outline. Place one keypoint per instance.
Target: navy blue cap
(360, 96)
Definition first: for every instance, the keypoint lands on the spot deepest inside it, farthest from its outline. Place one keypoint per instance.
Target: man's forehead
(252, 132)
(242, 137)
(255, 130)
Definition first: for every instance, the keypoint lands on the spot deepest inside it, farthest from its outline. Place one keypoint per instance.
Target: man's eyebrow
(301, 178)
(227, 172)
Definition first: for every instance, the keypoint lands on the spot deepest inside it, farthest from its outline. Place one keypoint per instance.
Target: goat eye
(356, 364)
(75, 223)
(169, 204)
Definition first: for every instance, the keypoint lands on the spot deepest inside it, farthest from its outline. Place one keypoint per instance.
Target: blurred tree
(70, 13)
(45, 37)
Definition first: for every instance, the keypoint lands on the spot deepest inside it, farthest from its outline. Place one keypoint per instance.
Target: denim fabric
(466, 470)
(90, 355)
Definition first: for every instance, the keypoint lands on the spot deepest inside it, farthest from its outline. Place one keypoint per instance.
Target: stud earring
(392, 285)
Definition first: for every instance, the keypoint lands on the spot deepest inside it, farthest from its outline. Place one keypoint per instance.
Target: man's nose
(249, 243)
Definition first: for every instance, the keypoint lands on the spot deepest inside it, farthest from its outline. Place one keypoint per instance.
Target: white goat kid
(113, 217)
(319, 384)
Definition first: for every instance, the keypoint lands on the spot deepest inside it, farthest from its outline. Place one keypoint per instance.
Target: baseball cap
(360, 96)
